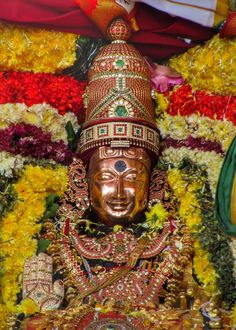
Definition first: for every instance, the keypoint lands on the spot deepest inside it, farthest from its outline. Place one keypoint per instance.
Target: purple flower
(29, 140)
(193, 143)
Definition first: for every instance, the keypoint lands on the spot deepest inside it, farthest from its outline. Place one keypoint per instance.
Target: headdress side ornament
(119, 107)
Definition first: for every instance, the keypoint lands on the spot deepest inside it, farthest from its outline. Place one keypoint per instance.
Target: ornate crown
(119, 107)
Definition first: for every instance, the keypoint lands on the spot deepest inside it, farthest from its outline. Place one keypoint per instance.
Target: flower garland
(233, 318)
(63, 93)
(181, 127)
(29, 140)
(216, 243)
(213, 261)
(210, 160)
(233, 249)
(189, 210)
(40, 115)
(211, 67)
(7, 197)
(19, 228)
(9, 164)
(193, 143)
(37, 50)
(185, 101)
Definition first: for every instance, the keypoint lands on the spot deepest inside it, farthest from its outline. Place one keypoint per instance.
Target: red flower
(62, 92)
(184, 101)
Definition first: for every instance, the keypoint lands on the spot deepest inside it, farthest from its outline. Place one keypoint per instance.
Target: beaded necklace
(134, 278)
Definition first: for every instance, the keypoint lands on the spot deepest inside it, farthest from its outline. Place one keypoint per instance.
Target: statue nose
(120, 191)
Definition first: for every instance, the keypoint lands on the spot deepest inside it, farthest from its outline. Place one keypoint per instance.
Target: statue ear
(76, 201)
(159, 190)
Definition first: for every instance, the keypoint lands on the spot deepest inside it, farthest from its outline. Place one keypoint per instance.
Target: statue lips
(119, 206)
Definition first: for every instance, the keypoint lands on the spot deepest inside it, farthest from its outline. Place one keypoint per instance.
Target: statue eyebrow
(110, 171)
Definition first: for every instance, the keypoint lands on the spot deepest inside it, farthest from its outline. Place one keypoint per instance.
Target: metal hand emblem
(38, 284)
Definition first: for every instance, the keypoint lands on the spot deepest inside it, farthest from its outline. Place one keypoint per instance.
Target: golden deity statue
(111, 268)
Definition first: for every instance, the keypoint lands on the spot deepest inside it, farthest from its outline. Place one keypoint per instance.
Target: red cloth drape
(160, 35)
(62, 15)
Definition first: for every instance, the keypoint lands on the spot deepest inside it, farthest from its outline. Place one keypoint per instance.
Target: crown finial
(118, 30)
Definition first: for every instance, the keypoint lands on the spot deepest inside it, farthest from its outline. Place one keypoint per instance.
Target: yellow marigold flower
(189, 211)
(204, 270)
(37, 50)
(3, 317)
(233, 317)
(156, 217)
(211, 67)
(28, 306)
(21, 225)
(209, 159)
(162, 102)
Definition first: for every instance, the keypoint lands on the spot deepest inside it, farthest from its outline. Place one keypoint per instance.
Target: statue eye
(105, 177)
(131, 177)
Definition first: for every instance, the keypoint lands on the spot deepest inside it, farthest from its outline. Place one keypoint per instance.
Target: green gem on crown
(120, 63)
(121, 111)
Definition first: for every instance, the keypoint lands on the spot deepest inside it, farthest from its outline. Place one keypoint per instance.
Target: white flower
(180, 127)
(41, 115)
(10, 163)
(210, 159)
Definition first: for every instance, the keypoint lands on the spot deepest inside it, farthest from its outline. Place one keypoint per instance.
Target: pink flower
(163, 77)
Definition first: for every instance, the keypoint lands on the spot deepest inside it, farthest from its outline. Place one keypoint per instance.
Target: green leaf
(51, 206)
(71, 136)
(51, 199)
(43, 244)
(51, 211)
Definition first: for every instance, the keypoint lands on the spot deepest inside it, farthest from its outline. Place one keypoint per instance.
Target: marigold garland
(185, 101)
(210, 160)
(181, 127)
(40, 115)
(63, 93)
(190, 211)
(233, 318)
(211, 246)
(211, 67)
(37, 50)
(217, 244)
(19, 228)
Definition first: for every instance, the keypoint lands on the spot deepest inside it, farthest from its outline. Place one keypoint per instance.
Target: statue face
(118, 184)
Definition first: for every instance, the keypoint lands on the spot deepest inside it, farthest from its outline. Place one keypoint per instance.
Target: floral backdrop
(41, 110)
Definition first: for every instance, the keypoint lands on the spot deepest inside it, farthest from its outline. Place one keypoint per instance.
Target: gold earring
(159, 190)
(76, 200)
